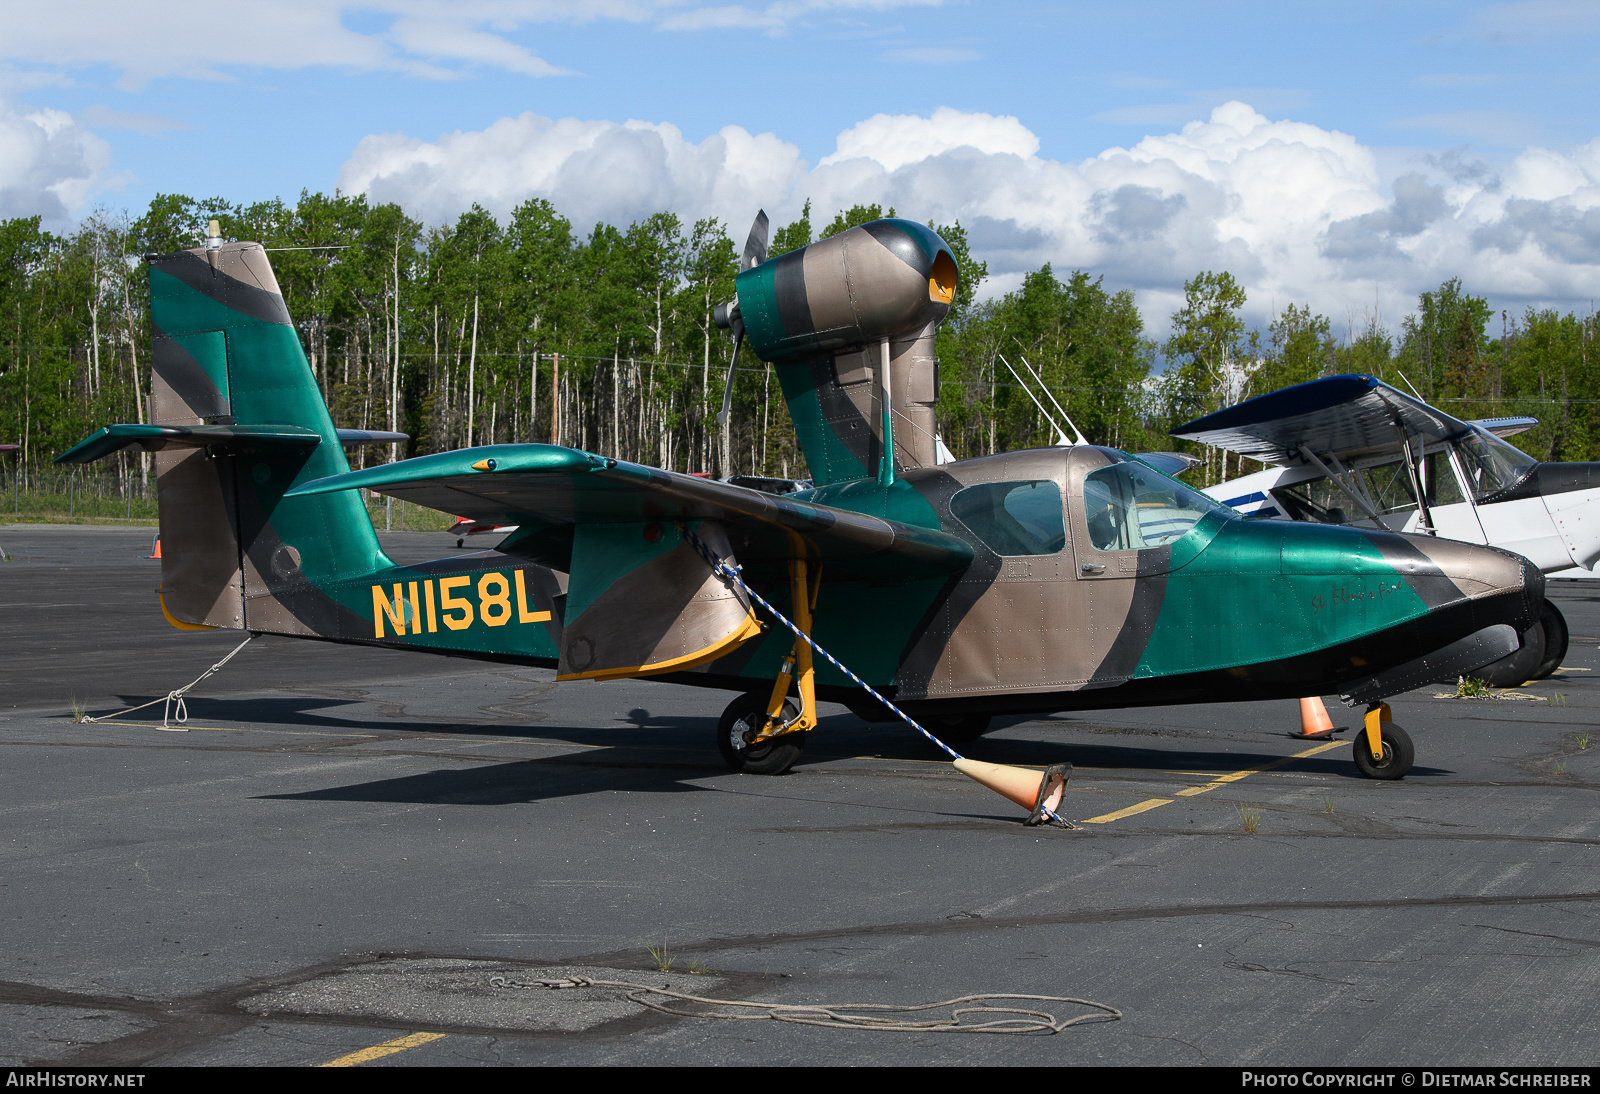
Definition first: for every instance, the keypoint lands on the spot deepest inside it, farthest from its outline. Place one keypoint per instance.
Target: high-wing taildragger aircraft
(1025, 582)
(1352, 450)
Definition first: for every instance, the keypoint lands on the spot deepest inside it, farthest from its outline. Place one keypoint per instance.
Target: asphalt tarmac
(348, 845)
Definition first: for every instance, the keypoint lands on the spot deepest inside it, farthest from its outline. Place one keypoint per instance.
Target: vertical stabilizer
(235, 554)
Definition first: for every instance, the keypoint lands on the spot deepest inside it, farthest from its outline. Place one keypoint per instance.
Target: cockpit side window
(1013, 518)
(1127, 506)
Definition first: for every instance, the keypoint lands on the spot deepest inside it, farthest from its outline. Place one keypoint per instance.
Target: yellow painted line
(388, 1048)
(1142, 807)
(1218, 780)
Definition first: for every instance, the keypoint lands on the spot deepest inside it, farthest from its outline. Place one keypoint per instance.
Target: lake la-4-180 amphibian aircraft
(1028, 582)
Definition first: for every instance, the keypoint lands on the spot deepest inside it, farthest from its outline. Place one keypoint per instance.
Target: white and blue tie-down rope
(732, 574)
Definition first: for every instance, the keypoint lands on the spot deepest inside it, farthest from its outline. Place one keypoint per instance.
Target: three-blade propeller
(727, 315)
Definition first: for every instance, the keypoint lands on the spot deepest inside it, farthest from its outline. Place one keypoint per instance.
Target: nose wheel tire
(1398, 753)
(773, 756)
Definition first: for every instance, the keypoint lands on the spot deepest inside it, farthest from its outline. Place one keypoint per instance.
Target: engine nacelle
(887, 279)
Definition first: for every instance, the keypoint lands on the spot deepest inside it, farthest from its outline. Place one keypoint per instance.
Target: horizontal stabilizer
(1168, 463)
(349, 437)
(1506, 427)
(153, 438)
(546, 486)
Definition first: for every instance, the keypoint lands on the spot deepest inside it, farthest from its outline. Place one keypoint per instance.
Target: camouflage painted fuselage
(263, 529)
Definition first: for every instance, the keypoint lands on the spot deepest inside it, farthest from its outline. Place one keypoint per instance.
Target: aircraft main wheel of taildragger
(957, 729)
(1516, 669)
(773, 756)
(1555, 641)
(1398, 753)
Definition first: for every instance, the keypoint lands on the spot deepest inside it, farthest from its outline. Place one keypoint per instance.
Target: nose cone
(1465, 587)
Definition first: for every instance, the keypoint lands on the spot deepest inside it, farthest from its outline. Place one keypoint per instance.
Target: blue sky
(1385, 146)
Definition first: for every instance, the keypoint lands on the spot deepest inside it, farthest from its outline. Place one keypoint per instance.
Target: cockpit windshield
(1492, 466)
(1129, 506)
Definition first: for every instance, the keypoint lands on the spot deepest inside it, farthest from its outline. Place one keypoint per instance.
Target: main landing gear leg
(1383, 750)
(766, 738)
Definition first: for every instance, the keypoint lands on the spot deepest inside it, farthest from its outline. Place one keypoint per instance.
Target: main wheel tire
(773, 756)
(957, 729)
(1516, 669)
(1398, 753)
(1555, 641)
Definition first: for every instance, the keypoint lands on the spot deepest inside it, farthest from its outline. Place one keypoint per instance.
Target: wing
(549, 491)
(1348, 417)
(640, 598)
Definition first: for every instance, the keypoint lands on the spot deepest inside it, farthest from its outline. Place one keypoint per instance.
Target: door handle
(1091, 567)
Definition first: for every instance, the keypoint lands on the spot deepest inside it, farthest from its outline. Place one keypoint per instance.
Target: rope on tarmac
(1022, 1019)
(732, 574)
(169, 713)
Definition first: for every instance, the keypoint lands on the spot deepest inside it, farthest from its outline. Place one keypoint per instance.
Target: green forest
(483, 332)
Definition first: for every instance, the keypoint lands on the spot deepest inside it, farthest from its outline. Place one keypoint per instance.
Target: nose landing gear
(1383, 750)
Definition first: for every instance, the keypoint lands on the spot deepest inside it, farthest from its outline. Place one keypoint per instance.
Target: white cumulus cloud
(894, 140)
(1298, 213)
(591, 170)
(49, 165)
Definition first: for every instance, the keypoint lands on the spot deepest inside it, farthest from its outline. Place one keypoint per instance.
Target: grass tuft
(1470, 687)
(1583, 743)
(79, 709)
(662, 957)
(1249, 817)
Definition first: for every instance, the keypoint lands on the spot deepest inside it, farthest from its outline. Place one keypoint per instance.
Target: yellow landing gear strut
(1383, 750)
(797, 665)
(766, 737)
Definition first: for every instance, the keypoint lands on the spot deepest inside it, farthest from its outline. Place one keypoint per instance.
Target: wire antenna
(1076, 432)
(1062, 440)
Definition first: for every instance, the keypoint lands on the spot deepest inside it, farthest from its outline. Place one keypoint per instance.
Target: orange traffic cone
(157, 552)
(1027, 788)
(1314, 721)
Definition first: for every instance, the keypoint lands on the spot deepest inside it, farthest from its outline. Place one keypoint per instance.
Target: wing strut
(1414, 469)
(1349, 487)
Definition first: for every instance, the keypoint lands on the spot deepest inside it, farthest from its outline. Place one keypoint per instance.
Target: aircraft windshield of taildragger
(1128, 506)
(1492, 466)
